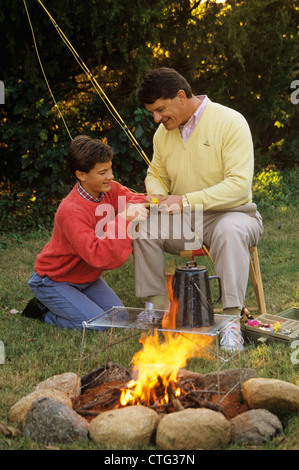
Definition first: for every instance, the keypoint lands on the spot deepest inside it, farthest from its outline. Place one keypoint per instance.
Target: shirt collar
(88, 196)
(194, 119)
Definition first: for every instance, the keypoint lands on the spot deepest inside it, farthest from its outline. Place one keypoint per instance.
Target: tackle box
(287, 331)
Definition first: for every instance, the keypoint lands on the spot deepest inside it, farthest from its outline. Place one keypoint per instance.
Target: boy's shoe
(231, 339)
(35, 309)
(160, 302)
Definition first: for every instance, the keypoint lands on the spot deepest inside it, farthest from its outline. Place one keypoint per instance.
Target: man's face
(98, 180)
(170, 112)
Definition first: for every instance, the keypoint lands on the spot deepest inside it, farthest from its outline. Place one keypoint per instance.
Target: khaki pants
(228, 234)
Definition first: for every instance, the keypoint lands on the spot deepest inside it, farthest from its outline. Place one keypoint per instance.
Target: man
(203, 155)
(90, 236)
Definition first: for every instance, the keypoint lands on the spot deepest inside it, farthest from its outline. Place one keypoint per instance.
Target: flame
(169, 318)
(157, 364)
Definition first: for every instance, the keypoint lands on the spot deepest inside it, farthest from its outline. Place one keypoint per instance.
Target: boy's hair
(162, 83)
(84, 152)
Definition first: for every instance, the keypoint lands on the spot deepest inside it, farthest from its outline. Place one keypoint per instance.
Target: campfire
(156, 365)
(190, 390)
(156, 379)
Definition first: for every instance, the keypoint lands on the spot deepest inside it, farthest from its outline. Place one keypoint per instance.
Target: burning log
(209, 392)
(206, 404)
(94, 401)
(175, 401)
(106, 397)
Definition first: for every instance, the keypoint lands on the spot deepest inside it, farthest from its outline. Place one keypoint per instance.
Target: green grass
(36, 351)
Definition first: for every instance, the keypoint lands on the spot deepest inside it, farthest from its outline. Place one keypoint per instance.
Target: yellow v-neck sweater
(213, 168)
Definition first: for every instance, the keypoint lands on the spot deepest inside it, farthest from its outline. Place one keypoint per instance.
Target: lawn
(36, 351)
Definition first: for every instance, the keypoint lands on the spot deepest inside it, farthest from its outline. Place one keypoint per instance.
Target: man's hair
(162, 83)
(84, 152)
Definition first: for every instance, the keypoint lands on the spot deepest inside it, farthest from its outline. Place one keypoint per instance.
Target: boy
(90, 236)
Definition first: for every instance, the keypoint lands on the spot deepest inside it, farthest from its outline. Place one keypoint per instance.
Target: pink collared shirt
(187, 129)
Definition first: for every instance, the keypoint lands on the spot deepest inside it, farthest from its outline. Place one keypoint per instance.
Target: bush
(242, 54)
(276, 188)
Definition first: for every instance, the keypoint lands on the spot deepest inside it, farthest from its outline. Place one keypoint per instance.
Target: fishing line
(43, 71)
(97, 88)
(100, 92)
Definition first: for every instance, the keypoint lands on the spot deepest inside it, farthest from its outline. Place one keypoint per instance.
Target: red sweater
(75, 253)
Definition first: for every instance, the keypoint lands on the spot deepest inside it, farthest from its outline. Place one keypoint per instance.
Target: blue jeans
(71, 304)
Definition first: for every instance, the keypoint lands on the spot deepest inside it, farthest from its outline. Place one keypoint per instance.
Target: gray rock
(271, 394)
(51, 422)
(125, 427)
(193, 429)
(20, 409)
(66, 383)
(255, 427)
(227, 378)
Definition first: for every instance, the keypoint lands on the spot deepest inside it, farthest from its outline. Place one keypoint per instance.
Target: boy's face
(98, 179)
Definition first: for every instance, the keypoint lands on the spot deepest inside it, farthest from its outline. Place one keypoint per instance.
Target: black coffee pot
(191, 289)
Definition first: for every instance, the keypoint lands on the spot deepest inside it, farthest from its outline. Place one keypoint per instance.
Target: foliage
(276, 188)
(242, 54)
(251, 68)
(128, 171)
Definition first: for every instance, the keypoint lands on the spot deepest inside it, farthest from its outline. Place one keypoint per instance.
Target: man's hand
(171, 204)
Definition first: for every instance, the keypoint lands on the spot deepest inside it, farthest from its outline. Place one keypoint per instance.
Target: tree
(242, 54)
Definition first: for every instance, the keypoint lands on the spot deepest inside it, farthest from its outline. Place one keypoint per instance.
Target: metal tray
(136, 318)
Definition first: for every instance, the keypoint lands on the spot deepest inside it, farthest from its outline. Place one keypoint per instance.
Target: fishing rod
(99, 91)
(97, 88)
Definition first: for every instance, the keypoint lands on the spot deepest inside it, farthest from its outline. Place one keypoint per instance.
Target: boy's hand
(136, 212)
(153, 198)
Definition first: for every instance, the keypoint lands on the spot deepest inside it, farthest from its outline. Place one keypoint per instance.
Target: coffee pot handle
(219, 287)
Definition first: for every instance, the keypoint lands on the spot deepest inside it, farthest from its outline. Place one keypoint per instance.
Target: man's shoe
(231, 339)
(160, 302)
(35, 309)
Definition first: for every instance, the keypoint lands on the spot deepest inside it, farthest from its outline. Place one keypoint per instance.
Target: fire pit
(166, 349)
(167, 345)
(109, 395)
